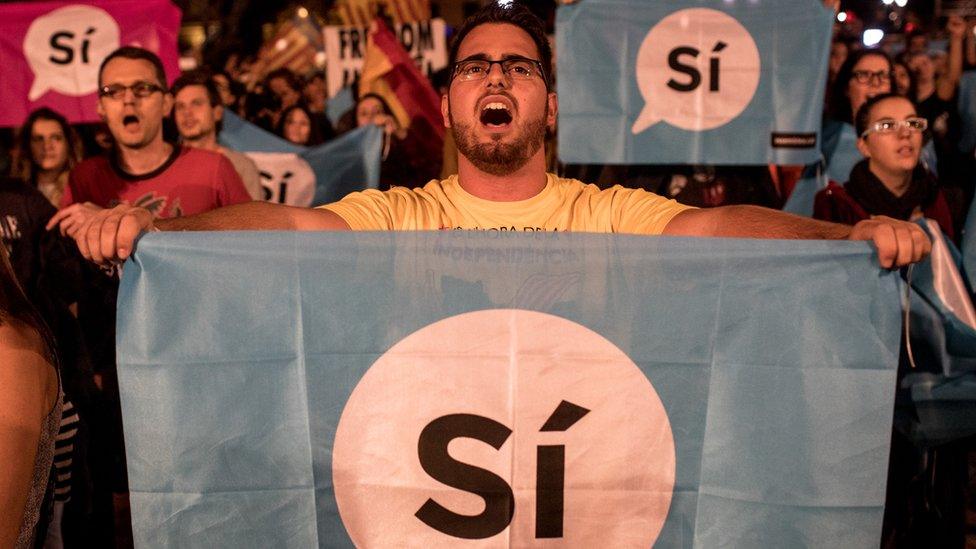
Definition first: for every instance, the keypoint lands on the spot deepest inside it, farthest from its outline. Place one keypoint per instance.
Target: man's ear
(553, 103)
(446, 110)
(167, 104)
(100, 109)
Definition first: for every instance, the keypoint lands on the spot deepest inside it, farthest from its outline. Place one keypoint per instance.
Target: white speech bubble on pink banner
(64, 49)
(51, 51)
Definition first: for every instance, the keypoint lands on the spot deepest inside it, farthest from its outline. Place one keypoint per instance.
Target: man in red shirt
(144, 170)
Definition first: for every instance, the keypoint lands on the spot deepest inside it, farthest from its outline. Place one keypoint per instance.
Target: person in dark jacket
(411, 156)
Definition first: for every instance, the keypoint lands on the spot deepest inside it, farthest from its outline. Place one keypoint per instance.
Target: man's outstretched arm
(898, 242)
(108, 235)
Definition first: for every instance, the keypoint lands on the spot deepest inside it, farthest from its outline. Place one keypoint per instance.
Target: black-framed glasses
(868, 77)
(139, 89)
(915, 124)
(515, 67)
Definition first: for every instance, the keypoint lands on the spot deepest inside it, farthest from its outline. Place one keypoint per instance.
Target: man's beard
(495, 157)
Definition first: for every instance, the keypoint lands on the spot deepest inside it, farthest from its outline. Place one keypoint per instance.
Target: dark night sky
(872, 11)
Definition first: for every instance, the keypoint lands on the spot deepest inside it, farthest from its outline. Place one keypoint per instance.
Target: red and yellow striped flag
(390, 72)
(290, 47)
(408, 11)
(355, 13)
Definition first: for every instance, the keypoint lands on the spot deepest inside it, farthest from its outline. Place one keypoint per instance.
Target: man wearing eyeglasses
(889, 181)
(499, 104)
(144, 170)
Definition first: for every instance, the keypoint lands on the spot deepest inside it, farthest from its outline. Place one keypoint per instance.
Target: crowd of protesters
(159, 148)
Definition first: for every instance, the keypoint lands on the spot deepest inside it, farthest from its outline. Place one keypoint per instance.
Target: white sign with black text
(345, 50)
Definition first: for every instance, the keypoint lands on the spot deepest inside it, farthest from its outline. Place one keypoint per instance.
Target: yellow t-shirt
(563, 205)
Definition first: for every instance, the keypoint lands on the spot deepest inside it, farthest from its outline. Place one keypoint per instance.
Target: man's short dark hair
(287, 75)
(132, 52)
(864, 113)
(198, 78)
(512, 14)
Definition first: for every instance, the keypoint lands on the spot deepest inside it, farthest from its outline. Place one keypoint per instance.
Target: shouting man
(144, 171)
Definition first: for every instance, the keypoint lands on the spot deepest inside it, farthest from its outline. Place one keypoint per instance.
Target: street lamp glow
(872, 37)
(302, 12)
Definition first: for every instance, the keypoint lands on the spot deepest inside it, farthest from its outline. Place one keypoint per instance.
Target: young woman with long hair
(30, 413)
(47, 149)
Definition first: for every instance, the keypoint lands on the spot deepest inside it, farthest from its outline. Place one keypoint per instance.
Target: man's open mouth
(495, 114)
(130, 121)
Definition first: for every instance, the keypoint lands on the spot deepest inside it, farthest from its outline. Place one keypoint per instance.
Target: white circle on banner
(286, 178)
(498, 403)
(65, 47)
(697, 69)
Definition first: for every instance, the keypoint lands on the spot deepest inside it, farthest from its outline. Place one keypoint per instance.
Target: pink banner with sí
(50, 51)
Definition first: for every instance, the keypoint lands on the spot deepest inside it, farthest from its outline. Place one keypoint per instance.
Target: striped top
(64, 446)
(41, 476)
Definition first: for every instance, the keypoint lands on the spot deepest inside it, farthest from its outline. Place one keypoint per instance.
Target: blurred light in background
(872, 37)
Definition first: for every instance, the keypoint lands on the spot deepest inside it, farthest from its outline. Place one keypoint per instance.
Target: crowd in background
(900, 107)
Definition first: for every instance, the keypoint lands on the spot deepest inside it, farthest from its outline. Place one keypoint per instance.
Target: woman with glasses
(863, 75)
(889, 180)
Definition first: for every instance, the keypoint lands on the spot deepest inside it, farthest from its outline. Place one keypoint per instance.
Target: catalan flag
(293, 46)
(358, 13)
(408, 11)
(355, 13)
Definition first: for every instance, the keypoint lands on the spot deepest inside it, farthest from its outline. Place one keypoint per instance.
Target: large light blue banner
(703, 82)
(308, 176)
(446, 389)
